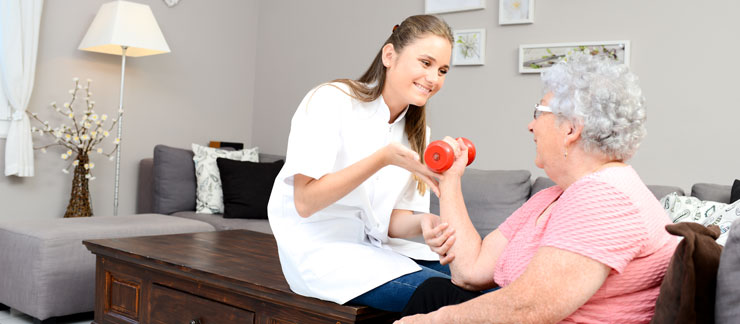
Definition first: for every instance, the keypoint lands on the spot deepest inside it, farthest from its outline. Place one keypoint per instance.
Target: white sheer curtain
(19, 39)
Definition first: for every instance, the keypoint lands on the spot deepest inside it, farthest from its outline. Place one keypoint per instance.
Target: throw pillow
(691, 209)
(209, 196)
(688, 288)
(724, 220)
(173, 180)
(247, 187)
(735, 194)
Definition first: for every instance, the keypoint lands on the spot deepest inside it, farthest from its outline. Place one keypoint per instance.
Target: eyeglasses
(539, 109)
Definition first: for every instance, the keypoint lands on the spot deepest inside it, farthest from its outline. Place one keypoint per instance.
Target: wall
(235, 62)
(202, 90)
(680, 49)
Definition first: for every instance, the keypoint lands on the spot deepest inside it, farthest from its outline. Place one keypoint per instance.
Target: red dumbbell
(439, 154)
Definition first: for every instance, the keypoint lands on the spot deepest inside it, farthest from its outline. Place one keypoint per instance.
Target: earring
(566, 149)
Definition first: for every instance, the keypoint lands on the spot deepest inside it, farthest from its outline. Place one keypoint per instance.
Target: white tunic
(343, 250)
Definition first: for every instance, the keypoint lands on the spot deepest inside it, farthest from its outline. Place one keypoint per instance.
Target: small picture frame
(537, 58)
(512, 12)
(469, 47)
(444, 6)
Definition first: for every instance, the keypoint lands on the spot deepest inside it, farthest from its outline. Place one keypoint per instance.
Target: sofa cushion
(208, 194)
(173, 180)
(225, 224)
(247, 187)
(661, 191)
(689, 285)
(45, 271)
(728, 276)
(541, 183)
(145, 187)
(713, 192)
(658, 191)
(735, 194)
(491, 196)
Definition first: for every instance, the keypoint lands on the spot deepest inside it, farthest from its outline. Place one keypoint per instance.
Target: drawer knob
(195, 321)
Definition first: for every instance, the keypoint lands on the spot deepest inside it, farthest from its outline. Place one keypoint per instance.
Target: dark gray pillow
(174, 180)
(726, 308)
(491, 196)
(712, 192)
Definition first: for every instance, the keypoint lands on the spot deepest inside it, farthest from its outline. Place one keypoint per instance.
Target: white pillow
(691, 209)
(209, 197)
(724, 219)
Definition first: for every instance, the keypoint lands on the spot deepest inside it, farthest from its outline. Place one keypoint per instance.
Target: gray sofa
(167, 186)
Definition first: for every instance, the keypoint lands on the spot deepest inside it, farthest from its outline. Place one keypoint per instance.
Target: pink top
(609, 216)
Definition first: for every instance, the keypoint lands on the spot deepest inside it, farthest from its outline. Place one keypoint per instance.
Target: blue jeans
(392, 296)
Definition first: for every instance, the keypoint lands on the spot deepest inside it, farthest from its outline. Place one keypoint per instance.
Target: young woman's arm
(312, 195)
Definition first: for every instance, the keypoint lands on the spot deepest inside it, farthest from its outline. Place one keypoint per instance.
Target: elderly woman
(591, 249)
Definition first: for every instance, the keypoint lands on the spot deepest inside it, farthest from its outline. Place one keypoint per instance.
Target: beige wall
(202, 90)
(238, 69)
(682, 51)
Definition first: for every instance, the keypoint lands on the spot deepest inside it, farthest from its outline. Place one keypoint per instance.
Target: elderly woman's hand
(433, 317)
(415, 319)
(439, 237)
(461, 157)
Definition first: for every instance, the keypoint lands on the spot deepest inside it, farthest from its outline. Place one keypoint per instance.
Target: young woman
(353, 183)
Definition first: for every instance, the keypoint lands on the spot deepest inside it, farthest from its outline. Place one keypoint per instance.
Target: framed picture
(536, 58)
(442, 6)
(470, 47)
(515, 12)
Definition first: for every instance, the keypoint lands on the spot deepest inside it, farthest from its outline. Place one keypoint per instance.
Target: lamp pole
(120, 128)
(125, 25)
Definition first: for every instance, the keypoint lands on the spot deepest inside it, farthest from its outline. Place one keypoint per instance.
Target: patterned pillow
(209, 195)
(724, 219)
(692, 209)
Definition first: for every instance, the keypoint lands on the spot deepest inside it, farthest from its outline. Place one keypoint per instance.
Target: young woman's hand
(438, 236)
(401, 156)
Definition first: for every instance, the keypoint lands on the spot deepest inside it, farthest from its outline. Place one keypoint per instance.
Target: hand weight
(439, 154)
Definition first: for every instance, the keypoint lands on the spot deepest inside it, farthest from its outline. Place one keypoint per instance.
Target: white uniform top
(343, 250)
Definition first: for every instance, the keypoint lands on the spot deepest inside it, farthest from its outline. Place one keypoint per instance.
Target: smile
(422, 88)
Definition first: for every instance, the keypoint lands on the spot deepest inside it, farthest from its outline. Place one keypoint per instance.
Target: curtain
(19, 39)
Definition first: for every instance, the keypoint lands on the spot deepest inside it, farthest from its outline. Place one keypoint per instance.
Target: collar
(385, 112)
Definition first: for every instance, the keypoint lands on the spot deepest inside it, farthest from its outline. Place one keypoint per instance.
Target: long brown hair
(370, 85)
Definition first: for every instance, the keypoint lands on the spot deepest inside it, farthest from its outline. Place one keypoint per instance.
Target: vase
(79, 200)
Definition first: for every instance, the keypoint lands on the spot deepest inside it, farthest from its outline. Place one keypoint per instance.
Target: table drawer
(169, 306)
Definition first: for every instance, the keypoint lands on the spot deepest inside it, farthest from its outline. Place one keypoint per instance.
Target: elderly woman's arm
(474, 260)
(554, 285)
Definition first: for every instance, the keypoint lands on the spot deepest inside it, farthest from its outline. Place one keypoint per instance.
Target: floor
(15, 317)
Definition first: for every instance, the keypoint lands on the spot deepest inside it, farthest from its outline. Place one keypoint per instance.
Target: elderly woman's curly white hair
(604, 97)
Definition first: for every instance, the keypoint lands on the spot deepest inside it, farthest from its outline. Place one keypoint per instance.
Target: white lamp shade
(122, 23)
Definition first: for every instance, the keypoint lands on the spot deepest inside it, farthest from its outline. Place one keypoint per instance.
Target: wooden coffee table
(207, 278)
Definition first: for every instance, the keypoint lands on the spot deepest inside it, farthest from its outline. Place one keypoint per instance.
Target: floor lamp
(127, 29)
